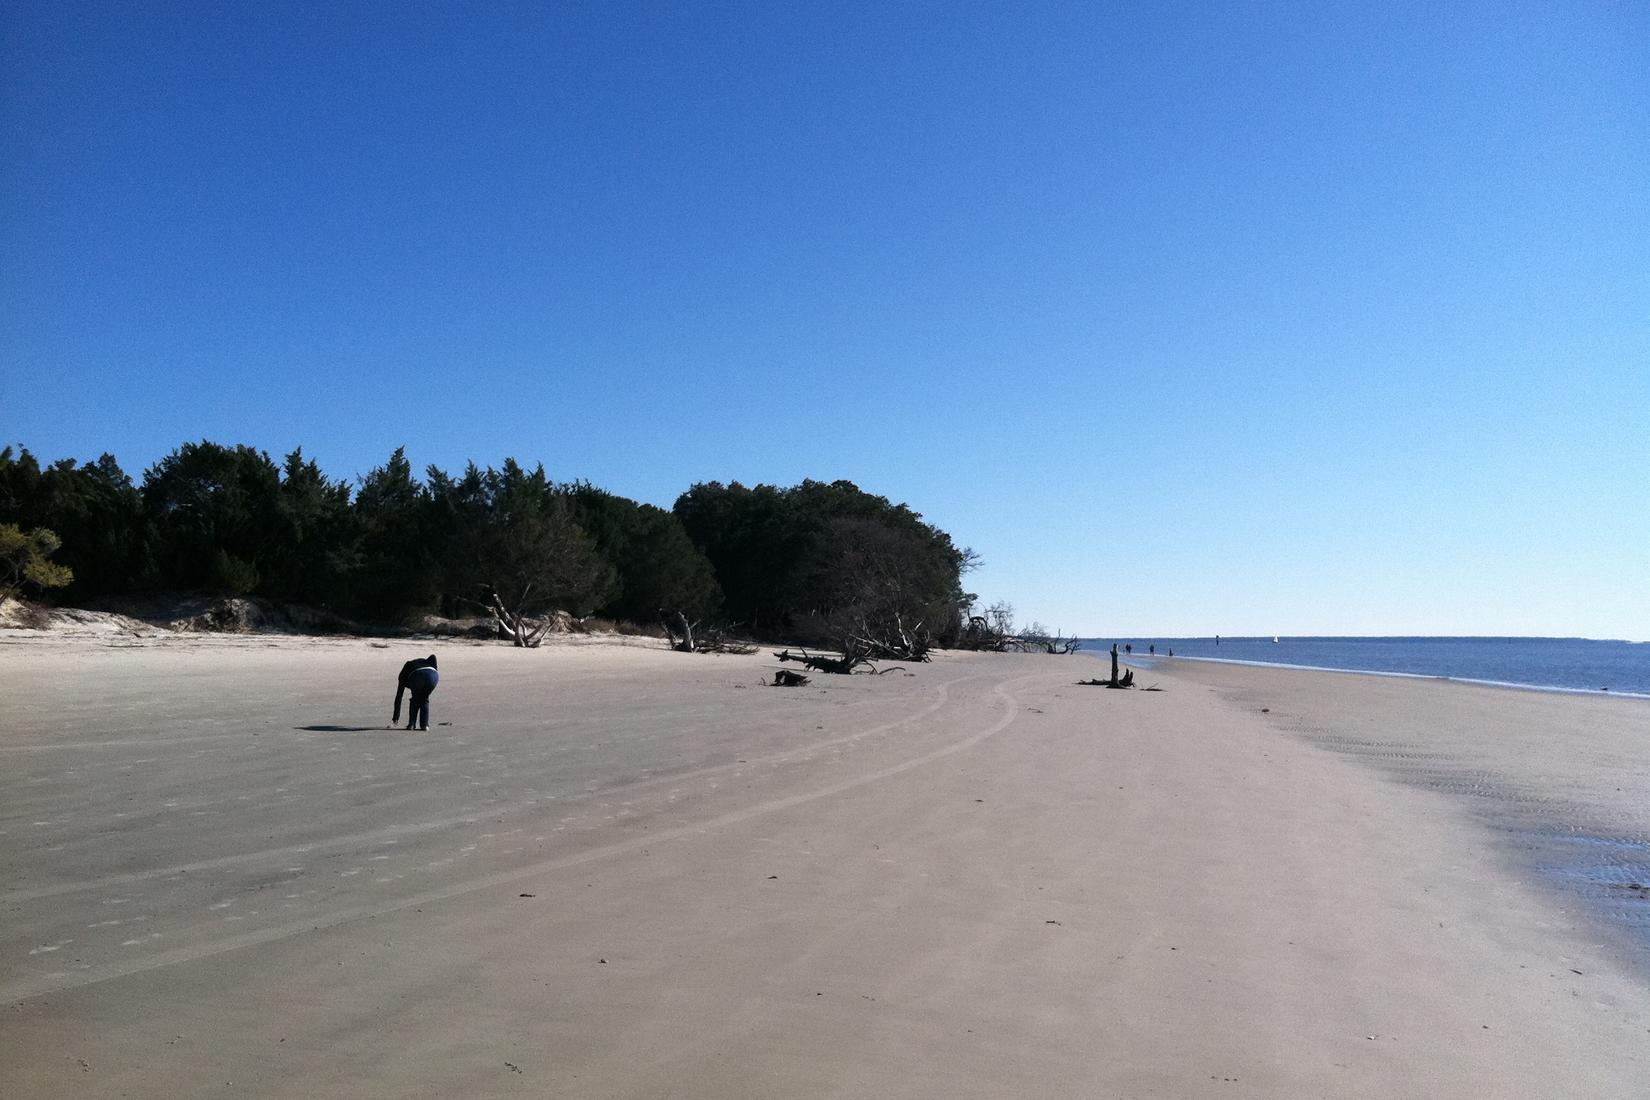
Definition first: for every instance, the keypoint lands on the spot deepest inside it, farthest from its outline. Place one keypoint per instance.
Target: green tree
(317, 538)
(398, 571)
(19, 486)
(752, 538)
(657, 566)
(535, 542)
(532, 556)
(458, 517)
(821, 556)
(205, 500)
(873, 569)
(25, 561)
(94, 509)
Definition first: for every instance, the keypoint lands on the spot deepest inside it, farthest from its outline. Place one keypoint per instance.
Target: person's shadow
(338, 729)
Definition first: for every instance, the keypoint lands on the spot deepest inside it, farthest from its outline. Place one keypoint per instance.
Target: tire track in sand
(390, 833)
(27, 988)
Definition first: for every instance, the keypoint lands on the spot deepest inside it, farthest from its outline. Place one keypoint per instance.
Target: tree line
(811, 561)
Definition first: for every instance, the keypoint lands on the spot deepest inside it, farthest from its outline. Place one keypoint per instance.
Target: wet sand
(1558, 778)
(630, 873)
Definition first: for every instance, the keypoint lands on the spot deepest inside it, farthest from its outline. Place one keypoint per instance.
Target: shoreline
(1551, 774)
(1150, 658)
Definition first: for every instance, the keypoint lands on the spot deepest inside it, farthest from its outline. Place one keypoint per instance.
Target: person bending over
(420, 678)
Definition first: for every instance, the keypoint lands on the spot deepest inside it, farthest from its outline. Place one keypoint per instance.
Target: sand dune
(628, 873)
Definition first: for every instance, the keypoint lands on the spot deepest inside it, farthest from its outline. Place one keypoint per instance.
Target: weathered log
(786, 678)
(819, 662)
(715, 642)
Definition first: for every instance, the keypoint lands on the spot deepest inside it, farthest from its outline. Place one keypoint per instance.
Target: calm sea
(1571, 664)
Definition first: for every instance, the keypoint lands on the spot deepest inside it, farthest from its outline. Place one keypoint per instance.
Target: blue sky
(1236, 318)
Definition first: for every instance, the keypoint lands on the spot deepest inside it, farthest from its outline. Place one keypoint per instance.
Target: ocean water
(1569, 664)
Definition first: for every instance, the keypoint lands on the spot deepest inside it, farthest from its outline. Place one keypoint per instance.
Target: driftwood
(786, 678)
(820, 662)
(515, 625)
(684, 640)
(1124, 681)
(680, 631)
(981, 635)
(896, 642)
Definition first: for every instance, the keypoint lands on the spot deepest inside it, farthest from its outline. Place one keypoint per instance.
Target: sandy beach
(622, 872)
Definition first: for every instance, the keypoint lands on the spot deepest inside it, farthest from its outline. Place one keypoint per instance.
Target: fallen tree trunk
(820, 662)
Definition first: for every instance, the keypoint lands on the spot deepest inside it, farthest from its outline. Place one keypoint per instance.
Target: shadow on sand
(339, 729)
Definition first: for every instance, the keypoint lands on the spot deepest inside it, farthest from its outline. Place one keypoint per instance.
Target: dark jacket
(404, 681)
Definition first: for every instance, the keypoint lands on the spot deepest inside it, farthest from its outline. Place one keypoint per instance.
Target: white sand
(974, 881)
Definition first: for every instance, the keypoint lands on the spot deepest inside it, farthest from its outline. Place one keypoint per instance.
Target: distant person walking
(420, 678)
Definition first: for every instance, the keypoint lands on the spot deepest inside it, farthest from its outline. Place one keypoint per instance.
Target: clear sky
(1190, 318)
